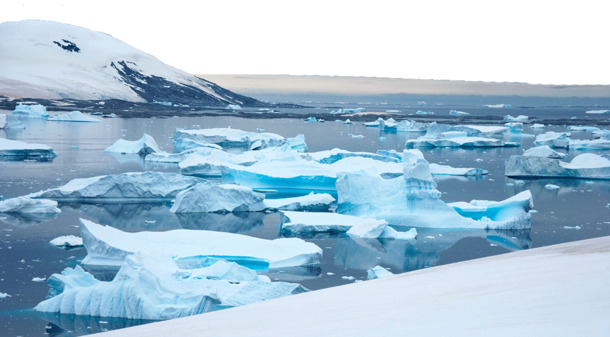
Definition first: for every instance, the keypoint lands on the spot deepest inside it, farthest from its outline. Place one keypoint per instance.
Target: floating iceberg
(18, 150)
(73, 116)
(458, 113)
(586, 165)
(27, 205)
(184, 144)
(373, 124)
(537, 126)
(462, 141)
(206, 197)
(437, 169)
(67, 241)
(498, 106)
(593, 144)
(2, 121)
(373, 230)
(543, 151)
(320, 202)
(553, 139)
(233, 107)
(411, 126)
(124, 187)
(520, 118)
(597, 112)
(297, 223)
(515, 127)
(30, 111)
(334, 155)
(582, 128)
(378, 272)
(413, 200)
(143, 146)
(107, 246)
(436, 130)
(421, 112)
(156, 287)
(227, 137)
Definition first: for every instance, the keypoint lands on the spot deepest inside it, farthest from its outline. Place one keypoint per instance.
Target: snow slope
(557, 290)
(51, 60)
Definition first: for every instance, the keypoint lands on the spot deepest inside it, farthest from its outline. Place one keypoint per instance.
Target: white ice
(295, 223)
(589, 144)
(553, 139)
(543, 151)
(597, 112)
(422, 112)
(109, 246)
(157, 287)
(458, 113)
(313, 202)
(124, 187)
(143, 146)
(586, 165)
(520, 118)
(16, 149)
(30, 111)
(206, 197)
(378, 272)
(27, 205)
(67, 241)
(73, 116)
(227, 137)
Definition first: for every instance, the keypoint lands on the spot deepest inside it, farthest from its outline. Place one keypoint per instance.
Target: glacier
(27, 205)
(18, 150)
(210, 198)
(412, 199)
(73, 116)
(157, 287)
(107, 246)
(586, 165)
(124, 187)
(142, 146)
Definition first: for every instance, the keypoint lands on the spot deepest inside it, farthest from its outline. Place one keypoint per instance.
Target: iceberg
(515, 127)
(2, 121)
(597, 112)
(373, 124)
(233, 107)
(124, 187)
(411, 126)
(421, 112)
(30, 111)
(334, 155)
(537, 126)
(150, 286)
(553, 139)
(582, 128)
(589, 144)
(27, 205)
(143, 146)
(412, 199)
(227, 137)
(437, 169)
(378, 272)
(319, 202)
(107, 246)
(67, 241)
(436, 130)
(73, 116)
(586, 165)
(543, 151)
(463, 141)
(206, 197)
(520, 118)
(18, 150)
(298, 223)
(458, 113)
(184, 144)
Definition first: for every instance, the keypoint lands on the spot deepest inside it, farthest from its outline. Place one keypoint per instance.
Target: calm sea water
(25, 252)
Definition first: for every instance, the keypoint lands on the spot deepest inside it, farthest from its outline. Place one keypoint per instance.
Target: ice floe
(378, 272)
(553, 139)
(73, 116)
(67, 241)
(458, 113)
(27, 205)
(589, 144)
(18, 150)
(151, 286)
(227, 137)
(597, 112)
(143, 146)
(210, 198)
(543, 151)
(586, 165)
(124, 187)
(295, 223)
(107, 246)
(313, 202)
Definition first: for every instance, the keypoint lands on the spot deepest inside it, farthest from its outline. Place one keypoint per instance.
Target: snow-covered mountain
(51, 60)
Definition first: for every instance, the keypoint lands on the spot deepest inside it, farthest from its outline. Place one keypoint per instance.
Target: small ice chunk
(39, 279)
(233, 107)
(368, 230)
(67, 241)
(313, 202)
(315, 222)
(348, 278)
(143, 146)
(458, 113)
(27, 205)
(378, 272)
(391, 233)
(572, 227)
(4, 295)
(537, 126)
(551, 187)
(597, 112)
(520, 118)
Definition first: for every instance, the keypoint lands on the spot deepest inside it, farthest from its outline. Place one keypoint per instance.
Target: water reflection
(25, 219)
(538, 189)
(73, 325)
(239, 222)
(406, 255)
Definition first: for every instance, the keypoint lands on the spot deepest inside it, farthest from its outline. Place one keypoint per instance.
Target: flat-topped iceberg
(183, 144)
(458, 113)
(67, 241)
(553, 139)
(313, 202)
(590, 144)
(142, 146)
(435, 130)
(520, 118)
(107, 246)
(584, 166)
(227, 137)
(74, 116)
(437, 169)
(295, 223)
(462, 141)
(151, 286)
(210, 198)
(30, 111)
(124, 187)
(18, 150)
(543, 151)
(27, 205)
(413, 200)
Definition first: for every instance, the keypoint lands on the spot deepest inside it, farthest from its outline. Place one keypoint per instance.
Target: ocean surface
(25, 252)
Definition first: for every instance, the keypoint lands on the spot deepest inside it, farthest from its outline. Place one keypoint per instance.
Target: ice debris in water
(143, 146)
(4, 295)
(73, 116)
(27, 205)
(414, 199)
(30, 111)
(152, 286)
(130, 186)
(67, 241)
(537, 126)
(18, 150)
(584, 166)
(378, 272)
(107, 246)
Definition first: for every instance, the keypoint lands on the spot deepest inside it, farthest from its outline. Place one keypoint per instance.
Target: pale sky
(548, 42)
